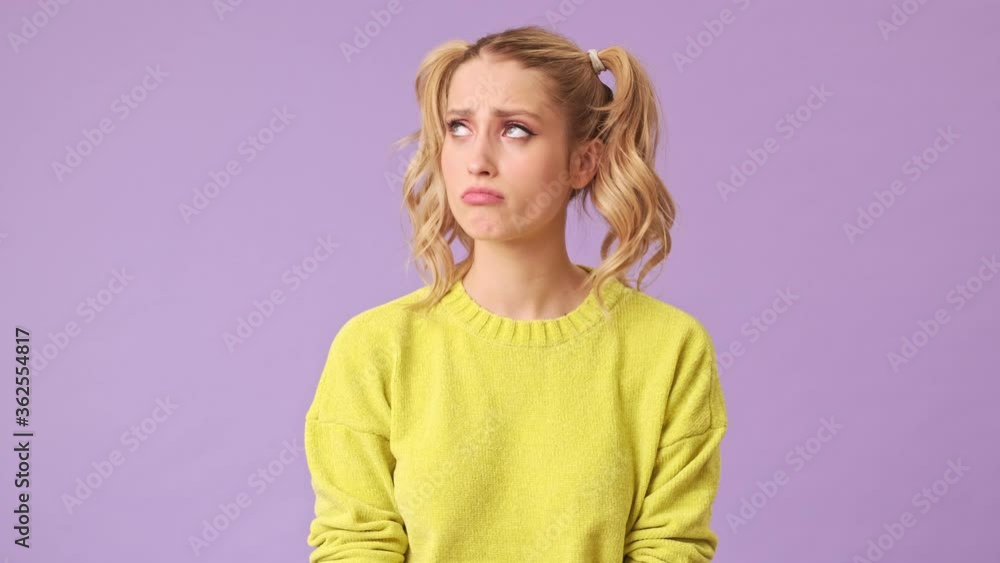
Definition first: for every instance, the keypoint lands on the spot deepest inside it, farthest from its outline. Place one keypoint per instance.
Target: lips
(480, 195)
(480, 190)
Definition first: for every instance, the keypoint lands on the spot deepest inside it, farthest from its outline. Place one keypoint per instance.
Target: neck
(525, 280)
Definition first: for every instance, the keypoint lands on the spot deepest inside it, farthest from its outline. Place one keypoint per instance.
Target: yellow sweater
(464, 436)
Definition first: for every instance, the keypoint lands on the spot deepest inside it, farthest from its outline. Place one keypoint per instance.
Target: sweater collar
(459, 306)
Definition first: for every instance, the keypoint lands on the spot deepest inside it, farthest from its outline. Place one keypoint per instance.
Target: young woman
(520, 406)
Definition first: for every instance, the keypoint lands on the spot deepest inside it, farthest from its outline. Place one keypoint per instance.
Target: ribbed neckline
(460, 307)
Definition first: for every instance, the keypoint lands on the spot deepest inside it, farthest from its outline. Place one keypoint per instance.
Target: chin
(501, 232)
(495, 233)
(489, 223)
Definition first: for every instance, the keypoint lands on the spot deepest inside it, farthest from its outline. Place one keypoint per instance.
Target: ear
(584, 163)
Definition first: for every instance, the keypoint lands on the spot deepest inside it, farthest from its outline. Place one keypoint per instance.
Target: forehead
(484, 83)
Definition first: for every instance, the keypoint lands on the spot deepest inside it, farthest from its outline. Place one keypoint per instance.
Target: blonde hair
(626, 189)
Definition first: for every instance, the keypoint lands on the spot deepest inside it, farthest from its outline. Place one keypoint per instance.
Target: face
(503, 134)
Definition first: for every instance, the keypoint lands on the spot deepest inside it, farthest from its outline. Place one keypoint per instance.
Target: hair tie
(595, 61)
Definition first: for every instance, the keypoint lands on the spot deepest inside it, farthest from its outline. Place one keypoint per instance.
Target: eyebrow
(498, 112)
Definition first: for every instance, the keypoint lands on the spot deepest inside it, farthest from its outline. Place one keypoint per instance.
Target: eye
(526, 132)
(452, 125)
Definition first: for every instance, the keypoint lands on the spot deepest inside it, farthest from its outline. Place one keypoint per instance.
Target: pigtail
(627, 191)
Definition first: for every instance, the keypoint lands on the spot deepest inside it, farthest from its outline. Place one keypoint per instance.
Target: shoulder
(651, 317)
(383, 322)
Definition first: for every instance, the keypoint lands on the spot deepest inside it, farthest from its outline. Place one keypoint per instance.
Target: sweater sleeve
(348, 455)
(673, 524)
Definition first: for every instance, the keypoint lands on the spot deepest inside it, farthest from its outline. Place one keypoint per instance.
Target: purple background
(329, 174)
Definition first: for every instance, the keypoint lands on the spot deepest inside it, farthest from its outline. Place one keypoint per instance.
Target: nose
(481, 158)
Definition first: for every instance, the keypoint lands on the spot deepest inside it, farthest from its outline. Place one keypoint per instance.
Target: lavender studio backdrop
(834, 167)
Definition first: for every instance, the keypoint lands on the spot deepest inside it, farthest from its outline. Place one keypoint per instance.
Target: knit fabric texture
(458, 435)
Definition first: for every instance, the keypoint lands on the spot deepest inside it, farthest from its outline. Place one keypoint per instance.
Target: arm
(350, 463)
(673, 524)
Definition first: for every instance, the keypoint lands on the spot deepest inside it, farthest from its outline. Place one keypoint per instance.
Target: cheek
(543, 175)
(532, 169)
(450, 166)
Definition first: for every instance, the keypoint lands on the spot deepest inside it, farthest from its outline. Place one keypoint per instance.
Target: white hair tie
(595, 61)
